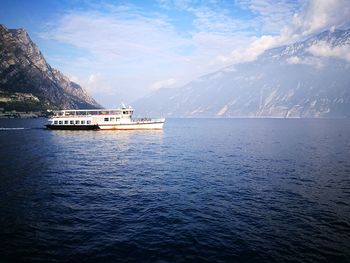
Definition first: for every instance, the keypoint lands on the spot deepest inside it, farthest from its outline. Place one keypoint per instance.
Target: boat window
(56, 122)
(112, 119)
(60, 122)
(124, 112)
(65, 122)
(82, 122)
(88, 122)
(106, 119)
(77, 122)
(71, 122)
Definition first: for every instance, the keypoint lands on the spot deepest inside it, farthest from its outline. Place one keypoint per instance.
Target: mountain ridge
(289, 81)
(23, 69)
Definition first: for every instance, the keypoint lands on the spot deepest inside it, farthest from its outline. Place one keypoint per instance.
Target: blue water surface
(201, 190)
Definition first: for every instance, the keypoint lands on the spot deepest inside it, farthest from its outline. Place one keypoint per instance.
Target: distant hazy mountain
(299, 80)
(27, 80)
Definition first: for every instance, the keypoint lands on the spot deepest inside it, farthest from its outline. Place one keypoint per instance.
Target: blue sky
(123, 50)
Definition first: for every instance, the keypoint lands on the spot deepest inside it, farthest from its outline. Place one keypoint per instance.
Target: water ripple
(244, 191)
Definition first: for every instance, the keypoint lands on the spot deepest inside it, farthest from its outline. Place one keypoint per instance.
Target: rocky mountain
(306, 79)
(24, 70)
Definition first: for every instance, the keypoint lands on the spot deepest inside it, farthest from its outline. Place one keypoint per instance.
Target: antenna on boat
(123, 105)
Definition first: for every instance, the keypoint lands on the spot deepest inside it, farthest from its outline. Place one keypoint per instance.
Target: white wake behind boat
(102, 119)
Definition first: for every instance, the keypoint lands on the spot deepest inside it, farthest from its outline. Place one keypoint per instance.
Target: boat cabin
(92, 117)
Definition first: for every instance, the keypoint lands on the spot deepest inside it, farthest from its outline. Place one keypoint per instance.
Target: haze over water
(201, 190)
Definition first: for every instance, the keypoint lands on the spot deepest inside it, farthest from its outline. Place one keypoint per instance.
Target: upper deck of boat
(90, 112)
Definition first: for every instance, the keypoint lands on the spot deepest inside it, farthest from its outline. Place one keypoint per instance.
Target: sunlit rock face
(306, 79)
(24, 69)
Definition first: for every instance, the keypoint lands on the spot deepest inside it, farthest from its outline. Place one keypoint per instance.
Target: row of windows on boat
(72, 122)
(111, 119)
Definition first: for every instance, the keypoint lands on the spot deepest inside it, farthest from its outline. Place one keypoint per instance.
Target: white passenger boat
(102, 119)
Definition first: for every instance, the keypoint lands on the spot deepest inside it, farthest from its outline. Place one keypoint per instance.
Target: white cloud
(217, 21)
(98, 84)
(299, 17)
(164, 83)
(93, 80)
(312, 17)
(254, 49)
(322, 49)
(116, 37)
(311, 61)
(319, 15)
(271, 15)
(294, 60)
(104, 89)
(136, 51)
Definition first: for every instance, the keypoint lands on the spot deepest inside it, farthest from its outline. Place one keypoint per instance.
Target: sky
(120, 51)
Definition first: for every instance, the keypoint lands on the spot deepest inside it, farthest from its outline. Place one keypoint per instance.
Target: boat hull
(72, 127)
(126, 126)
(133, 126)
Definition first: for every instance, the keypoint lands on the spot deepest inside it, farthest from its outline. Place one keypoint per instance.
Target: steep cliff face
(306, 79)
(23, 69)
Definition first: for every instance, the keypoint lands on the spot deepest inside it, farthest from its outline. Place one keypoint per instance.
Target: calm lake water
(201, 190)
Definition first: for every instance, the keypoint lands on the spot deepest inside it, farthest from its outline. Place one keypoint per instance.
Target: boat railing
(72, 116)
(60, 115)
(147, 119)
